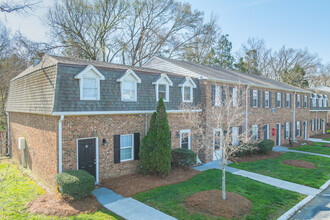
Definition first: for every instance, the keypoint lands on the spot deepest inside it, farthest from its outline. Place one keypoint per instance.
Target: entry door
(87, 155)
(217, 143)
(278, 134)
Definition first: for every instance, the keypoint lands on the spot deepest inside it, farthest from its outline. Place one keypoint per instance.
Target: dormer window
(187, 86)
(89, 83)
(128, 86)
(325, 101)
(162, 86)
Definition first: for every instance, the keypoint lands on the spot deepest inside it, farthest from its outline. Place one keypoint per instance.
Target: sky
(294, 23)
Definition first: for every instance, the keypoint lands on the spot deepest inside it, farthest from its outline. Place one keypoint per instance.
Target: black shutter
(213, 95)
(301, 128)
(297, 100)
(270, 99)
(263, 100)
(281, 99)
(240, 130)
(251, 97)
(116, 142)
(231, 95)
(136, 146)
(259, 94)
(240, 97)
(290, 100)
(259, 127)
(276, 100)
(311, 124)
(285, 131)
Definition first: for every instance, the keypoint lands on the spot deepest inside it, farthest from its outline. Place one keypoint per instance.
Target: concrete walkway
(128, 208)
(285, 149)
(318, 140)
(306, 190)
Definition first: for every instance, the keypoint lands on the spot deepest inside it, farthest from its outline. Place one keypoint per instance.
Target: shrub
(75, 183)
(246, 149)
(265, 146)
(182, 157)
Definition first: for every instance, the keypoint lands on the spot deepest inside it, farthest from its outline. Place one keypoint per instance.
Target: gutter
(294, 117)
(60, 144)
(8, 134)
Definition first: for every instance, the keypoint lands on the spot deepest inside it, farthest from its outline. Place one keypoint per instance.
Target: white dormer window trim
(188, 84)
(124, 79)
(163, 80)
(86, 74)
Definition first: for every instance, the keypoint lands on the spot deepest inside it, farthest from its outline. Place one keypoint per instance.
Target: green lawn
(268, 202)
(315, 177)
(326, 139)
(23, 190)
(315, 148)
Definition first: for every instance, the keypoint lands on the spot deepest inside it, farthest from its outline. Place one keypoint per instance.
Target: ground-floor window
(312, 125)
(185, 139)
(287, 130)
(235, 132)
(126, 147)
(266, 132)
(255, 132)
(298, 129)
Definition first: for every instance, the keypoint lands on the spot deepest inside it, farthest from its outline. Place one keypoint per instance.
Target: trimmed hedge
(182, 157)
(261, 147)
(265, 146)
(75, 183)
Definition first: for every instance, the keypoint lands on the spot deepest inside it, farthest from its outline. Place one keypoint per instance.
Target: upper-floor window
(314, 101)
(266, 99)
(320, 101)
(218, 96)
(235, 97)
(255, 98)
(89, 83)
(187, 89)
(128, 86)
(305, 101)
(287, 100)
(325, 101)
(287, 130)
(298, 101)
(163, 87)
(278, 100)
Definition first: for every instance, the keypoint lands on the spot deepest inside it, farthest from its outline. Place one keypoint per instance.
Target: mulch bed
(321, 136)
(129, 185)
(299, 163)
(299, 144)
(254, 157)
(48, 204)
(211, 203)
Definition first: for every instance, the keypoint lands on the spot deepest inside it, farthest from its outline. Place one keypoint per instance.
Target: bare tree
(18, 6)
(321, 77)
(219, 128)
(4, 41)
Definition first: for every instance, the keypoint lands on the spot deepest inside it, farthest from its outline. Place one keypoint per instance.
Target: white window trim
(325, 100)
(298, 128)
(287, 130)
(218, 96)
(267, 100)
(267, 127)
(314, 101)
(298, 101)
(121, 80)
(235, 99)
(192, 86)
(287, 99)
(279, 98)
(255, 106)
(132, 157)
(305, 101)
(313, 128)
(257, 131)
(232, 135)
(168, 84)
(320, 102)
(189, 137)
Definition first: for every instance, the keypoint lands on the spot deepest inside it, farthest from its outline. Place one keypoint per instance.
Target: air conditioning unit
(21, 143)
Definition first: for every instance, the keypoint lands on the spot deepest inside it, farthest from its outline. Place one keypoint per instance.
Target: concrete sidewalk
(128, 208)
(318, 140)
(285, 149)
(306, 190)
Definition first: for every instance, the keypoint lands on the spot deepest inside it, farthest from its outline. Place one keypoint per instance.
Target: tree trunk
(224, 183)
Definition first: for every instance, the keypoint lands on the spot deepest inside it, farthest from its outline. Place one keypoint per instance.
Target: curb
(302, 203)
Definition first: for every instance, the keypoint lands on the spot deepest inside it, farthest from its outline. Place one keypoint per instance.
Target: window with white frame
(185, 139)
(305, 101)
(163, 92)
(266, 99)
(255, 132)
(287, 100)
(314, 101)
(187, 90)
(298, 129)
(163, 88)
(218, 96)
(325, 100)
(312, 125)
(287, 130)
(255, 98)
(90, 89)
(235, 133)
(126, 147)
(279, 100)
(128, 86)
(235, 97)
(298, 101)
(320, 101)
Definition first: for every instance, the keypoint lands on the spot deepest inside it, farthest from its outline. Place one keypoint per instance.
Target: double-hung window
(255, 98)
(126, 147)
(187, 96)
(298, 129)
(279, 100)
(305, 101)
(313, 124)
(255, 132)
(128, 86)
(218, 96)
(287, 100)
(287, 130)
(185, 139)
(90, 89)
(320, 102)
(325, 99)
(163, 92)
(187, 89)
(163, 88)
(266, 99)
(314, 101)
(298, 101)
(235, 97)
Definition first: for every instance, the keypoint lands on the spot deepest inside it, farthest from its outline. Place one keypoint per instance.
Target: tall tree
(222, 53)
(296, 77)
(5, 41)
(18, 6)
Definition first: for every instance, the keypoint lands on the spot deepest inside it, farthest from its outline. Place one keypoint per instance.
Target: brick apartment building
(82, 114)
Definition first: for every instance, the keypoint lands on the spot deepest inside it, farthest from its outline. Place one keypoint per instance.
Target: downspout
(246, 112)
(60, 144)
(8, 134)
(146, 124)
(294, 117)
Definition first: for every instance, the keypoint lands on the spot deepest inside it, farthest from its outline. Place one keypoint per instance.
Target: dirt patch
(299, 163)
(129, 185)
(48, 204)
(254, 157)
(211, 203)
(299, 144)
(321, 136)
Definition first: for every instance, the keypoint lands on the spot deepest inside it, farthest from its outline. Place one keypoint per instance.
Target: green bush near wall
(182, 157)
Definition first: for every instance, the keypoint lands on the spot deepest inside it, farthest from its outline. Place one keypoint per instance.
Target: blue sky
(293, 23)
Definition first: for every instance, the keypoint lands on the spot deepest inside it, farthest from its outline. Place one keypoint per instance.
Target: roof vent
(36, 61)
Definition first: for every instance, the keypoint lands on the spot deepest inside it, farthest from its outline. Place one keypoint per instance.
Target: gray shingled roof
(222, 74)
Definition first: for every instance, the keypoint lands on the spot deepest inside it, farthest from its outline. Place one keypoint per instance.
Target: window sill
(125, 161)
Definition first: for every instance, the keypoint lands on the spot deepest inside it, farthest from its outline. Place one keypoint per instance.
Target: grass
(268, 202)
(326, 139)
(22, 190)
(315, 148)
(315, 177)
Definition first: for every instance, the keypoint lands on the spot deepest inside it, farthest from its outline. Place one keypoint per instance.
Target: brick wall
(317, 115)
(40, 132)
